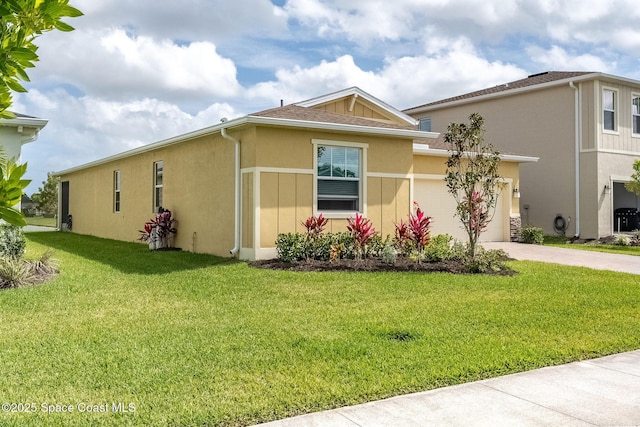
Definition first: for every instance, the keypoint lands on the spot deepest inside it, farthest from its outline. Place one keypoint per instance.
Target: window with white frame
(425, 124)
(116, 191)
(157, 185)
(635, 113)
(609, 109)
(339, 172)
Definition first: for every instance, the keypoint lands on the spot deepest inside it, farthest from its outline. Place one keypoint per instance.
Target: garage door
(435, 201)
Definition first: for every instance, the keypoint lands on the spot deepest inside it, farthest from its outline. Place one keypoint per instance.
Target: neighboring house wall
(539, 124)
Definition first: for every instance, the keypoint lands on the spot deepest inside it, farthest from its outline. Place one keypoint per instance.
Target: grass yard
(560, 242)
(195, 340)
(40, 220)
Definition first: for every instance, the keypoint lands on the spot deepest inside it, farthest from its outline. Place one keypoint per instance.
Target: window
(609, 109)
(339, 171)
(157, 186)
(635, 113)
(116, 191)
(425, 124)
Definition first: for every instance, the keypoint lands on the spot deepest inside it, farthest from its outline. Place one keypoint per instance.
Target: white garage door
(436, 202)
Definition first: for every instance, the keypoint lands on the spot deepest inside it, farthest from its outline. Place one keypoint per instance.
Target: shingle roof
(295, 112)
(532, 80)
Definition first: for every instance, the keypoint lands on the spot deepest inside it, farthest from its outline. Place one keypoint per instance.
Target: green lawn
(39, 220)
(195, 340)
(561, 242)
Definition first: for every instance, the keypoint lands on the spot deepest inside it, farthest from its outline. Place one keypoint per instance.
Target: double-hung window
(635, 113)
(157, 185)
(116, 191)
(339, 177)
(609, 109)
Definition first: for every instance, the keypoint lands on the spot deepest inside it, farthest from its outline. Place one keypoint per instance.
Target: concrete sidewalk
(575, 257)
(37, 229)
(601, 392)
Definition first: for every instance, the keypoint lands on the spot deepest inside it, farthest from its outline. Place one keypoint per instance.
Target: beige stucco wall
(198, 188)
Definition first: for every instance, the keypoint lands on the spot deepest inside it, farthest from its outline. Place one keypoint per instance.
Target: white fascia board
(357, 91)
(424, 150)
(425, 109)
(25, 121)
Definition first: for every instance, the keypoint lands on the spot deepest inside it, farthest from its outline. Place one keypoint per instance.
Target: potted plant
(158, 232)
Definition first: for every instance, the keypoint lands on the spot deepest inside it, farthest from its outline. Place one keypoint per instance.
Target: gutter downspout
(577, 154)
(236, 230)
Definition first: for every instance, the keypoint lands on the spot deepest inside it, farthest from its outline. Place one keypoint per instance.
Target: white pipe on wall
(577, 154)
(236, 230)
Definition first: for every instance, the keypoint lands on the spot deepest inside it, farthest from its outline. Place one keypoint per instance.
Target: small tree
(472, 177)
(47, 196)
(634, 184)
(21, 21)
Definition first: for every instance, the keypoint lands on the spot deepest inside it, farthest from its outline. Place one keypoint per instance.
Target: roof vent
(539, 74)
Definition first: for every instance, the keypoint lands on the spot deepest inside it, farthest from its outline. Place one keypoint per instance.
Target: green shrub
(298, 247)
(291, 246)
(486, 261)
(12, 241)
(622, 240)
(439, 248)
(533, 235)
(388, 253)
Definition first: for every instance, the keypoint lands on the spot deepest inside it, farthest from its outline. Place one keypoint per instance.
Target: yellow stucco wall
(198, 188)
(286, 188)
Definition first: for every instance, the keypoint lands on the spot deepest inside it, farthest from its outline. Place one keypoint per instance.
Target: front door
(64, 219)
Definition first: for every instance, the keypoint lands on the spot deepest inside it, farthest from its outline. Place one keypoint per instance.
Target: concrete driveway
(575, 257)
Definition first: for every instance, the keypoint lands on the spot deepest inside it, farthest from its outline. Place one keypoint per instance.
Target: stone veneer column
(515, 228)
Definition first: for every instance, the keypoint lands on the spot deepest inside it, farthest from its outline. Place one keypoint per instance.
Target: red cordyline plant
(415, 233)
(315, 226)
(158, 230)
(362, 232)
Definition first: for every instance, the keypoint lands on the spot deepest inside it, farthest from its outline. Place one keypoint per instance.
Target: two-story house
(584, 127)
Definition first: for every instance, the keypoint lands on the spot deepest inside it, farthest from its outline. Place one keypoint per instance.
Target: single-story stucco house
(584, 127)
(233, 187)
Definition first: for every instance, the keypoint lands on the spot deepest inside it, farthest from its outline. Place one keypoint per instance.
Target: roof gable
(355, 102)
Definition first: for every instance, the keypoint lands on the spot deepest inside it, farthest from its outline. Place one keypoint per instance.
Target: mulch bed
(371, 265)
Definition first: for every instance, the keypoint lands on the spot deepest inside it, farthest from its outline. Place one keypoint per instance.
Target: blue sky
(135, 72)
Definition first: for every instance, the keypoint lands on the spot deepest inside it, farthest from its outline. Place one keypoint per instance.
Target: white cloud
(557, 58)
(116, 65)
(403, 82)
(85, 129)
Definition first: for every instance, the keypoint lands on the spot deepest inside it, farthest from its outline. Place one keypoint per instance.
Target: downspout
(236, 230)
(577, 154)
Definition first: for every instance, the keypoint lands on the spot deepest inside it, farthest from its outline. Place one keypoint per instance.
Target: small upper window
(116, 191)
(157, 185)
(609, 109)
(425, 124)
(635, 113)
